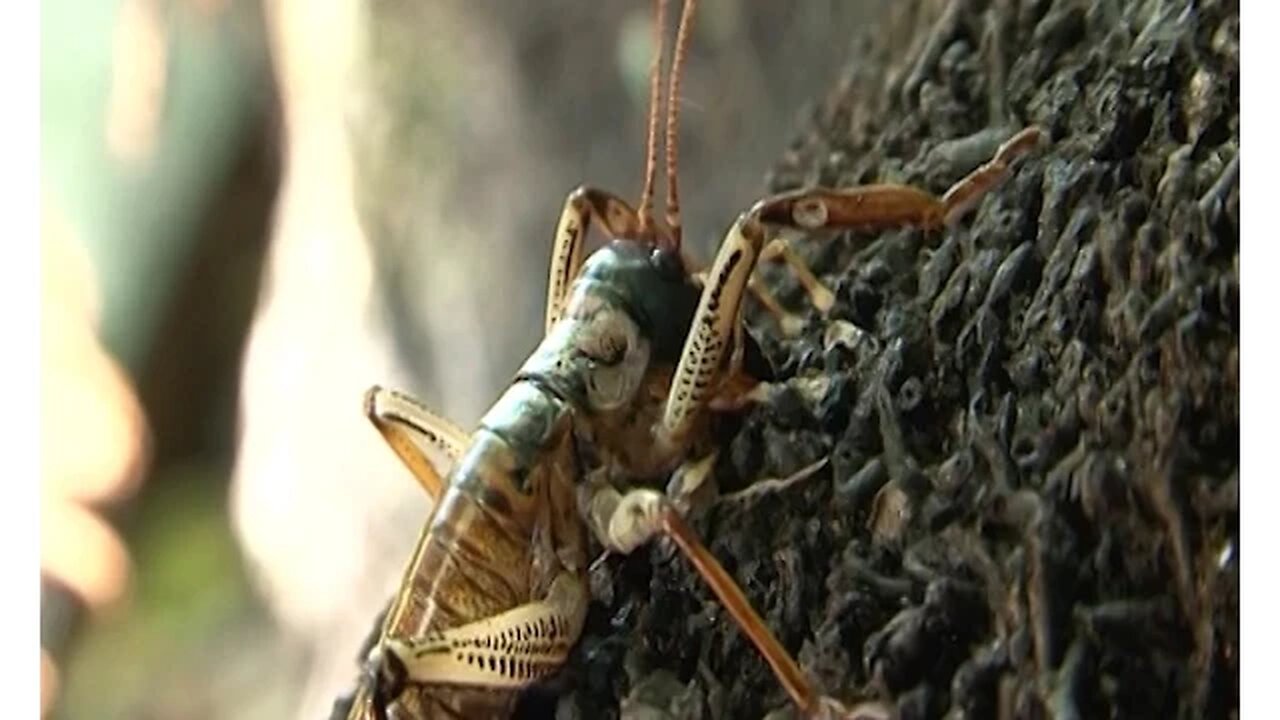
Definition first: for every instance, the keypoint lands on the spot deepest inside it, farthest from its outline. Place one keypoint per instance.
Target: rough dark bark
(1030, 507)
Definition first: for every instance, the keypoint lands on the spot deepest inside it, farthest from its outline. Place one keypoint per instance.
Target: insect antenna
(673, 118)
(645, 211)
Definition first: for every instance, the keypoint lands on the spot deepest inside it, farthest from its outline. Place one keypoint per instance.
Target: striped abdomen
(492, 542)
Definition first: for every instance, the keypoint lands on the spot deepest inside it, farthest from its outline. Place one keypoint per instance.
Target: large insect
(637, 350)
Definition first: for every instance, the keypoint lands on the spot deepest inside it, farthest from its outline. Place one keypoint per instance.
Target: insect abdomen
(475, 559)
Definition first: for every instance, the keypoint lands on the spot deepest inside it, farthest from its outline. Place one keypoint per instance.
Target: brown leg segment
(731, 596)
(964, 195)
(582, 207)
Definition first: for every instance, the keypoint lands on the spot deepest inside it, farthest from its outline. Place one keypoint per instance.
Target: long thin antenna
(645, 210)
(673, 118)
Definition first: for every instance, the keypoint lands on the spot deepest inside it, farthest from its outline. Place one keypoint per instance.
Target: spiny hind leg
(425, 442)
(863, 207)
(583, 206)
(510, 650)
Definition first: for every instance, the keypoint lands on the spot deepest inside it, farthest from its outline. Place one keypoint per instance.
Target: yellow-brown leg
(790, 322)
(735, 383)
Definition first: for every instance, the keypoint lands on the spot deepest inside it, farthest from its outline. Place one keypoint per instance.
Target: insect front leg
(583, 206)
(864, 207)
(416, 434)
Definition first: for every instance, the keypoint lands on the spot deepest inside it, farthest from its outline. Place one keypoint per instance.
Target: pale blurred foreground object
(321, 508)
(93, 445)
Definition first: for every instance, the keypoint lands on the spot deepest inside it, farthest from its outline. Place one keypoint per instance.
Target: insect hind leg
(511, 650)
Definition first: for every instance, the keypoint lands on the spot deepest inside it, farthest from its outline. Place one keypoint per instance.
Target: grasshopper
(639, 351)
